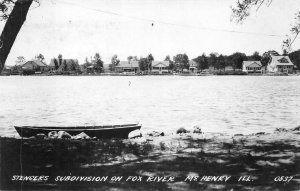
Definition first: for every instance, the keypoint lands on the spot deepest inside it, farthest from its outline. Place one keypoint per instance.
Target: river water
(227, 104)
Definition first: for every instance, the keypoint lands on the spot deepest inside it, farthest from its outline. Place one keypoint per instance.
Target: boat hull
(104, 132)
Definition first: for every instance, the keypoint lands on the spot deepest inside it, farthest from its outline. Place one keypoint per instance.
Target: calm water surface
(228, 104)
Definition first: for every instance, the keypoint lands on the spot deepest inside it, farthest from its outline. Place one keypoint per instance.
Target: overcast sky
(78, 29)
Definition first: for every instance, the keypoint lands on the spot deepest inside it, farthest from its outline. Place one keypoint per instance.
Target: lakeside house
(34, 66)
(66, 65)
(131, 66)
(160, 67)
(252, 66)
(280, 64)
(193, 66)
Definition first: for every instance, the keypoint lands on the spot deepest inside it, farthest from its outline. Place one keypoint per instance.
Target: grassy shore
(263, 157)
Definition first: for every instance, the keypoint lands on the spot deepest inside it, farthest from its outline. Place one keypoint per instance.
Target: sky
(78, 29)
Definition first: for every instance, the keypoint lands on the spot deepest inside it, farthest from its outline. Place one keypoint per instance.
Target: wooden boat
(105, 131)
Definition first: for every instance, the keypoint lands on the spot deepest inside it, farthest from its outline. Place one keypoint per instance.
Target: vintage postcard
(149, 95)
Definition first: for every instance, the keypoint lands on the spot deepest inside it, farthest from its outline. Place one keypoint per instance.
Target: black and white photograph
(151, 95)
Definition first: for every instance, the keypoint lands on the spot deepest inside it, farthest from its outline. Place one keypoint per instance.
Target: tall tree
(15, 20)
(60, 59)
(171, 63)
(55, 64)
(129, 58)
(202, 62)
(150, 59)
(65, 66)
(40, 57)
(143, 64)
(237, 59)
(221, 62)
(212, 59)
(98, 62)
(167, 58)
(114, 62)
(182, 61)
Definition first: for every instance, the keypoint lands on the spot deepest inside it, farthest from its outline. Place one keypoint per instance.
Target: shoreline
(156, 75)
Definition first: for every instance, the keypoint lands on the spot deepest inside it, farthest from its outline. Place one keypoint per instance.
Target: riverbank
(261, 158)
(218, 73)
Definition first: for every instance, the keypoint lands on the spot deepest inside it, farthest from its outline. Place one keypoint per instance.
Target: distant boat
(105, 131)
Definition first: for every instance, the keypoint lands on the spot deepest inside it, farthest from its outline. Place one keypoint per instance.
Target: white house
(280, 64)
(160, 67)
(193, 66)
(252, 66)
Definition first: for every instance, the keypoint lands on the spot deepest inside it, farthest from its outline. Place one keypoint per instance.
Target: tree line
(181, 62)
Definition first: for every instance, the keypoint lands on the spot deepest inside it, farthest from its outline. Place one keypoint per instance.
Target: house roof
(126, 64)
(160, 63)
(248, 63)
(37, 62)
(281, 60)
(68, 61)
(192, 63)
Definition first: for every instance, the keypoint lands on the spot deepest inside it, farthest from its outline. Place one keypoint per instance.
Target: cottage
(35, 66)
(279, 64)
(193, 66)
(128, 67)
(252, 66)
(160, 67)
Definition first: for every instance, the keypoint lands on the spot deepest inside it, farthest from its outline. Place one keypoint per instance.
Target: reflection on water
(231, 104)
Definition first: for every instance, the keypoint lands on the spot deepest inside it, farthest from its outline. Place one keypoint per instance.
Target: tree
(65, 67)
(167, 58)
(221, 62)
(266, 57)
(20, 60)
(171, 63)
(55, 64)
(15, 19)
(295, 58)
(243, 9)
(114, 62)
(143, 64)
(255, 56)
(182, 61)
(212, 59)
(236, 60)
(86, 64)
(150, 59)
(202, 62)
(40, 57)
(98, 62)
(59, 59)
(135, 58)
(129, 58)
